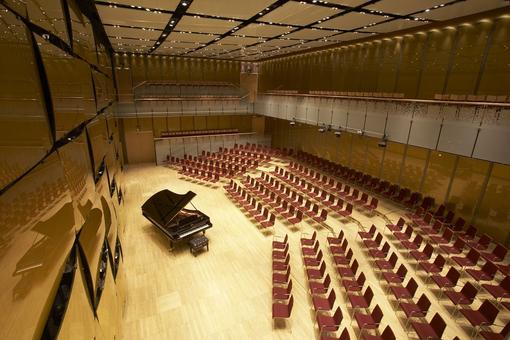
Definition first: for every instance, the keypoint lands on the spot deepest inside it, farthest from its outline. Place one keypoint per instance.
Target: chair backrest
(402, 271)
(388, 334)
(374, 202)
(459, 244)
(438, 325)
(345, 334)
(319, 256)
(355, 193)
(385, 248)
(439, 261)
(354, 266)
(393, 259)
(500, 251)
(372, 229)
(484, 240)
(448, 234)
(490, 269)
(424, 303)
(489, 311)
(377, 314)
(418, 240)
(349, 254)
(369, 294)
(469, 291)
(505, 284)
(473, 255)
(349, 207)
(364, 197)
(337, 317)
(440, 210)
(327, 281)
(332, 297)
(409, 230)
(412, 286)
(290, 305)
(428, 218)
(361, 279)
(471, 231)
(322, 268)
(378, 238)
(324, 213)
(428, 250)
(453, 275)
(401, 222)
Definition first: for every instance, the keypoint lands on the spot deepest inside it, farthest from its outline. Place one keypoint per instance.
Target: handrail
(402, 100)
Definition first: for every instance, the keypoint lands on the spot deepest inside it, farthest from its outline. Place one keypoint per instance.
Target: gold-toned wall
(474, 189)
(460, 58)
(49, 186)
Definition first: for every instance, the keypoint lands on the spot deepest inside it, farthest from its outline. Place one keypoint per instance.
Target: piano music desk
(197, 243)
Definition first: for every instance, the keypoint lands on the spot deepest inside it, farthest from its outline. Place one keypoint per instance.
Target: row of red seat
(283, 300)
(327, 192)
(199, 174)
(402, 196)
(319, 282)
(288, 201)
(250, 204)
(447, 283)
(261, 149)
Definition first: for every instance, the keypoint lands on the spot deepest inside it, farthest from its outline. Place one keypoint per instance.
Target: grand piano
(166, 211)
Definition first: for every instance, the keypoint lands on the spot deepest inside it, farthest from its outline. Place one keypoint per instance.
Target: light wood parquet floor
(226, 293)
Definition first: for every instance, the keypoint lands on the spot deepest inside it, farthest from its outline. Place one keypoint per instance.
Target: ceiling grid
(259, 29)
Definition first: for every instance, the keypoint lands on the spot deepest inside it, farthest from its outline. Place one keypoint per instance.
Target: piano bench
(197, 243)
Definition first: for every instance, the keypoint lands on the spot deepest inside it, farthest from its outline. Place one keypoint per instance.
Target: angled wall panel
(38, 231)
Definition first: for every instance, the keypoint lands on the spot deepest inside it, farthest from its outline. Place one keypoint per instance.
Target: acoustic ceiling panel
(404, 7)
(205, 25)
(230, 8)
(129, 17)
(463, 8)
(296, 13)
(352, 20)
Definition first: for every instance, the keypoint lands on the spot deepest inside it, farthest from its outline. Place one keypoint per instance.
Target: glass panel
(493, 217)
(412, 173)
(24, 131)
(393, 159)
(98, 136)
(374, 157)
(467, 185)
(359, 152)
(439, 174)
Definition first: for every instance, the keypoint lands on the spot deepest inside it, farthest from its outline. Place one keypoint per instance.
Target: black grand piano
(166, 211)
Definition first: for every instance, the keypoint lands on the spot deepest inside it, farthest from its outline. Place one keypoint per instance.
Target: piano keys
(166, 211)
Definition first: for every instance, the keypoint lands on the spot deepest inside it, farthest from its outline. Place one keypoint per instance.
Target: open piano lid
(162, 207)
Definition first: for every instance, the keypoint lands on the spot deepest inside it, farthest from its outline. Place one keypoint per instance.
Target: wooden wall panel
(438, 175)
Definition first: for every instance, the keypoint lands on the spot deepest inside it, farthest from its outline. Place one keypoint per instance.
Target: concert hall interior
(257, 169)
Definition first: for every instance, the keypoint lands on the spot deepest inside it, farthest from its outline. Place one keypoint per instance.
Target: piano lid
(164, 205)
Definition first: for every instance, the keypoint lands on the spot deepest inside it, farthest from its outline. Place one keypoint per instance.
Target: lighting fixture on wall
(360, 132)
(338, 133)
(293, 122)
(324, 128)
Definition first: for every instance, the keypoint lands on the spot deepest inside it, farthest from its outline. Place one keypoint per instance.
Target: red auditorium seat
(395, 278)
(448, 281)
(415, 310)
(282, 310)
(280, 244)
(282, 293)
(329, 323)
(499, 291)
(497, 255)
(434, 330)
(483, 316)
(369, 321)
(465, 297)
(324, 304)
(313, 261)
(320, 287)
(354, 285)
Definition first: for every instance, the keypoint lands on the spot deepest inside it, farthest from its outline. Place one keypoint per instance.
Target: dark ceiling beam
(180, 11)
(245, 23)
